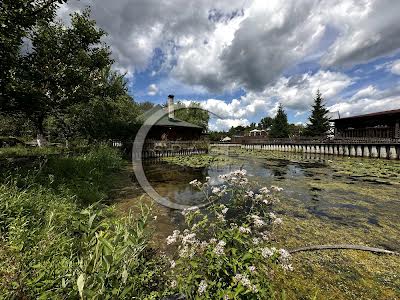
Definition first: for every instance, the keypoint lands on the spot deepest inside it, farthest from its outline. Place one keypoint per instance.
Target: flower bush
(226, 250)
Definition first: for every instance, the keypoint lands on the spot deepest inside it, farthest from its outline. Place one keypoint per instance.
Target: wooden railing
(321, 140)
(156, 148)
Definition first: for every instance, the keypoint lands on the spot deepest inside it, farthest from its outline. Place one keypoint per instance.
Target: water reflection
(312, 190)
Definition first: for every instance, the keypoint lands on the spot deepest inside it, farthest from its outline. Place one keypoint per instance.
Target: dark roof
(380, 113)
(166, 121)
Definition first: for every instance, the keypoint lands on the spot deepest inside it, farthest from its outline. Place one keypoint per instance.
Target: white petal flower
(202, 287)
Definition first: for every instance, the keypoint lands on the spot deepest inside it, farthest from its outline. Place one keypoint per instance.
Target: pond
(322, 203)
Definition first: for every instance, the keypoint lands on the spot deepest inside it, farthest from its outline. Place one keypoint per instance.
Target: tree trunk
(40, 138)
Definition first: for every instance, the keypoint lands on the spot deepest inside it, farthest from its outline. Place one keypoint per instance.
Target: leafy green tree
(64, 68)
(319, 120)
(112, 116)
(17, 19)
(145, 106)
(280, 125)
(238, 130)
(216, 136)
(296, 130)
(192, 113)
(265, 122)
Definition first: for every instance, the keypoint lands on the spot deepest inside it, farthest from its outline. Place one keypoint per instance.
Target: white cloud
(226, 124)
(296, 93)
(230, 44)
(152, 89)
(368, 100)
(395, 68)
(368, 29)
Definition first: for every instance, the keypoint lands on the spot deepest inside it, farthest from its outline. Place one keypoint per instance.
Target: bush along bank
(58, 241)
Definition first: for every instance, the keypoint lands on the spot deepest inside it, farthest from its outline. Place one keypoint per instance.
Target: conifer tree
(280, 125)
(319, 120)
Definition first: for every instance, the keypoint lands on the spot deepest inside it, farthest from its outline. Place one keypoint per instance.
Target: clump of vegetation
(226, 251)
(198, 161)
(21, 151)
(53, 244)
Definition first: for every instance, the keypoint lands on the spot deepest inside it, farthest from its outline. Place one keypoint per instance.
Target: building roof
(166, 121)
(375, 114)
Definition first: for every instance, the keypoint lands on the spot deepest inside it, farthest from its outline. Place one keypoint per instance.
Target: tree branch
(42, 8)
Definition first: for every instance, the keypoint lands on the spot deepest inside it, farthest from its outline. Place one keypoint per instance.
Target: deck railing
(157, 148)
(322, 140)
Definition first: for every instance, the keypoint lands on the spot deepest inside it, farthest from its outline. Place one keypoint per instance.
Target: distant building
(171, 128)
(384, 124)
(258, 132)
(226, 139)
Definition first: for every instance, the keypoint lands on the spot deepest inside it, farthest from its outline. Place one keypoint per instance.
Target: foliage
(54, 246)
(318, 121)
(296, 130)
(111, 116)
(216, 136)
(226, 253)
(64, 84)
(192, 113)
(22, 151)
(238, 130)
(266, 122)
(63, 68)
(17, 19)
(280, 125)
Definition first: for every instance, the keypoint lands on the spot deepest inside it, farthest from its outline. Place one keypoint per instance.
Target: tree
(318, 121)
(17, 18)
(280, 125)
(109, 115)
(265, 123)
(192, 113)
(64, 68)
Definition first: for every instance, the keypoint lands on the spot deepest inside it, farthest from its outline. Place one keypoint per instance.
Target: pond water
(312, 190)
(325, 200)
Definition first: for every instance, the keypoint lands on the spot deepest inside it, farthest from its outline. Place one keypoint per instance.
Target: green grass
(25, 151)
(56, 244)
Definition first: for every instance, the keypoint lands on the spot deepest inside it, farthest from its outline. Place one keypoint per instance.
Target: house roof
(375, 114)
(165, 120)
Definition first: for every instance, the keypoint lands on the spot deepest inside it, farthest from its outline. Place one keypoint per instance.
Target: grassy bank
(59, 240)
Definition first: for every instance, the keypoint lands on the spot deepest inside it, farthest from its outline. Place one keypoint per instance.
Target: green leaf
(81, 283)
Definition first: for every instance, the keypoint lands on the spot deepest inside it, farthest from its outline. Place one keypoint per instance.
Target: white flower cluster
(257, 221)
(243, 229)
(274, 219)
(284, 259)
(202, 287)
(268, 252)
(245, 281)
(172, 238)
(219, 191)
(276, 188)
(236, 178)
(196, 184)
(219, 248)
(284, 256)
(191, 209)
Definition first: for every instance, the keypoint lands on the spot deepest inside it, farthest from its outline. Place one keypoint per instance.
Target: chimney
(171, 107)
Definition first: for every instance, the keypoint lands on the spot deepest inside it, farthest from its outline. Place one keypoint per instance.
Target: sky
(241, 58)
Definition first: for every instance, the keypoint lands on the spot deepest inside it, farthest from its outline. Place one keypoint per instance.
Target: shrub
(219, 258)
(53, 249)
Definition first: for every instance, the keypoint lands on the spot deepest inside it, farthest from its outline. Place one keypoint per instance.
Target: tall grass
(54, 243)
